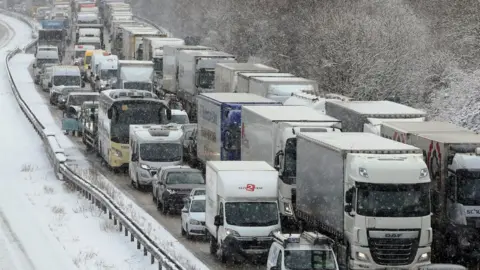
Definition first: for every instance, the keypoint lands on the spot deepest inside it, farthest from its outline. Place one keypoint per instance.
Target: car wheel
(183, 231)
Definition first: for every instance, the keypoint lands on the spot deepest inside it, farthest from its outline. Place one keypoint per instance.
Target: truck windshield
(198, 206)
(107, 74)
(161, 152)
(67, 80)
(138, 85)
(252, 214)
(185, 178)
(290, 168)
(41, 62)
(128, 114)
(468, 189)
(206, 79)
(309, 259)
(390, 200)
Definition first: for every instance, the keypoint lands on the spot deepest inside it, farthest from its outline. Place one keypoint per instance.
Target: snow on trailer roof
(246, 66)
(424, 127)
(282, 79)
(290, 113)
(157, 133)
(460, 137)
(240, 166)
(378, 107)
(189, 47)
(206, 53)
(135, 62)
(236, 97)
(84, 94)
(357, 141)
(264, 74)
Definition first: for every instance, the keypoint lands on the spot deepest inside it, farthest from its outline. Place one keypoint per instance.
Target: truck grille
(386, 251)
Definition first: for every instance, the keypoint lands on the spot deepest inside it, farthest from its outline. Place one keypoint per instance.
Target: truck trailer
(219, 124)
(366, 116)
(226, 74)
(370, 194)
(452, 154)
(269, 134)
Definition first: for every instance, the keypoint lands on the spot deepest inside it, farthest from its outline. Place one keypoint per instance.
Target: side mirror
(50, 84)
(92, 117)
(169, 114)
(34, 66)
(349, 196)
(276, 163)
(134, 157)
(218, 221)
(109, 113)
(348, 208)
(83, 84)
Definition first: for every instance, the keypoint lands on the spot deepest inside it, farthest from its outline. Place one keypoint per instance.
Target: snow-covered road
(44, 224)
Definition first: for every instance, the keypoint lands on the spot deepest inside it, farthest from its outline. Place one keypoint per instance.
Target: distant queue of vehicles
(307, 159)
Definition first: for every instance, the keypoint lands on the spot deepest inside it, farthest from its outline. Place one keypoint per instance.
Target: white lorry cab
(64, 77)
(94, 41)
(79, 54)
(242, 211)
(308, 250)
(153, 147)
(45, 54)
(89, 32)
(105, 67)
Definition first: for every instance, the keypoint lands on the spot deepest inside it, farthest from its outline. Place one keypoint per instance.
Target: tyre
(165, 208)
(183, 231)
(213, 244)
(188, 234)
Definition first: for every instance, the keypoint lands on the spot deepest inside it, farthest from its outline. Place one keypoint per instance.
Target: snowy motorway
(89, 164)
(44, 224)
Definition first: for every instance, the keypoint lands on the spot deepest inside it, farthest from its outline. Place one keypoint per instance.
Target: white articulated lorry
(452, 154)
(313, 101)
(279, 88)
(170, 65)
(370, 194)
(269, 134)
(226, 74)
(132, 39)
(196, 75)
(243, 78)
(241, 213)
(367, 116)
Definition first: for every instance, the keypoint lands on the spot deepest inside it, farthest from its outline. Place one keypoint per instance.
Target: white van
(64, 76)
(79, 54)
(45, 54)
(106, 68)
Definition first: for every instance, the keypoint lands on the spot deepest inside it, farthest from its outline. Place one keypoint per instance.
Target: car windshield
(198, 206)
(190, 177)
(41, 62)
(67, 80)
(78, 100)
(179, 119)
(107, 74)
(252, 214)
(389, 200)
(161, 152)
(309, 260)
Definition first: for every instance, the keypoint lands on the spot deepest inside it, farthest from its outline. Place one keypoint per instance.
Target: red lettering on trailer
(250, 187)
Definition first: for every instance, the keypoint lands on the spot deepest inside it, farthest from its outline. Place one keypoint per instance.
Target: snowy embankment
(19, 65)
(44, 224)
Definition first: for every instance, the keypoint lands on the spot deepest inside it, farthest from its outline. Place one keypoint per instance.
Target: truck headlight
(117, 153)
(424, 257)
(423, 173)
(287, 208)
(230, 232)
(361, 256)
(145, 166)
(194, 222)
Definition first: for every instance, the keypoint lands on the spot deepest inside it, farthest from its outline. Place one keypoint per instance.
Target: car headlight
(194, 222)
(424, 257)
(117, 152)
(171, 191)
(230, 232)
(361, 256)
(145, 166)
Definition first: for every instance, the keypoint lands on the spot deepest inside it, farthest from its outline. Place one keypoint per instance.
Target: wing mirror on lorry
(50, 84)
(218, 221)
(92, 117)
(83, 84)
(348, 208)
(134, 157)
(109, 113)
(276, 163)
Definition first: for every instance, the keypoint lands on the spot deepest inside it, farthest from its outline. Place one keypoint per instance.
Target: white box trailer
(243, 78)
(153, 47)
(370, 194)
(366, 116)
(241, 212)
(269, 134)
(132, 38)
(170, 65)
(226, 74)
(279, 88)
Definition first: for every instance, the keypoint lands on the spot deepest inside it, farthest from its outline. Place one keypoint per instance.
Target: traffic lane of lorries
(199, 247)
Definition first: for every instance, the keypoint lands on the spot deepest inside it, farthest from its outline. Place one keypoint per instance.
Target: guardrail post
(152, 259)
(120, 226)
(145, 253)
(114, 221)
(126, 231)
(138, 243)
(132, 238)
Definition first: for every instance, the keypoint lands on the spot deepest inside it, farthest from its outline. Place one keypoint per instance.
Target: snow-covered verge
(43, 224)
(19, 65)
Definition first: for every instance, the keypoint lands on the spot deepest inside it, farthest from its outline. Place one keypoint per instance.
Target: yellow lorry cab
(88, 57)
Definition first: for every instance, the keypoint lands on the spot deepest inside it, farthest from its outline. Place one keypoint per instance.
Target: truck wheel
(213, 244)
(188, 234)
